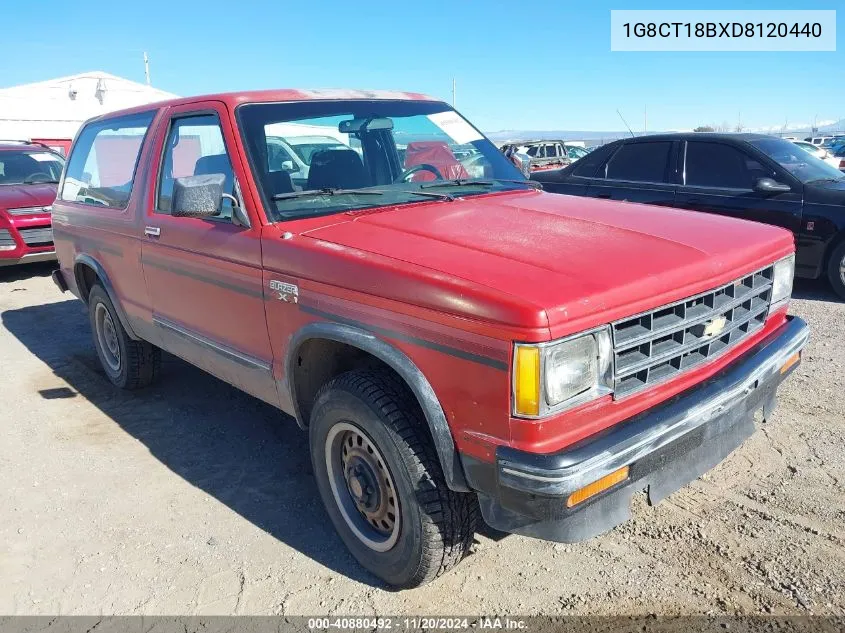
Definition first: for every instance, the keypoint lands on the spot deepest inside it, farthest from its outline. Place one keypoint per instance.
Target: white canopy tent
(56, 108)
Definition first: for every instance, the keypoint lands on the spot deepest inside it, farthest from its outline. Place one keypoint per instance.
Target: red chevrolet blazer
(455, 341)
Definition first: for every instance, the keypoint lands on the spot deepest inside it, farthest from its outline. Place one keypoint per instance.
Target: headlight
(549, 377)
(784, 271)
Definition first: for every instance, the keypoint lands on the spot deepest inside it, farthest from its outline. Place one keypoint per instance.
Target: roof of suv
(6, 146)
(713, 136)
(233, 99)
(540, 142)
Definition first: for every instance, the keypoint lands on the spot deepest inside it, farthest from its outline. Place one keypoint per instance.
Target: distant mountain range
(599, 137)
(595, 137)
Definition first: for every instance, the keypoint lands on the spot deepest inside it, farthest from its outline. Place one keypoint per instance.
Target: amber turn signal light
(791, 362)
(527, 380)
(591, 490)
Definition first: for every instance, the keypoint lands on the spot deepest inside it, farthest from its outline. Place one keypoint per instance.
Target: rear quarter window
(102, 165)
(640, 162)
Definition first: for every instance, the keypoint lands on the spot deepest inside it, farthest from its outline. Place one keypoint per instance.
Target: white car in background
(293, 154)
(307, 146)
(817, 140)
(819, 152)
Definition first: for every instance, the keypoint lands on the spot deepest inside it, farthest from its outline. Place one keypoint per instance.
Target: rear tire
(128, 363)
(381, 482)
(836, 270)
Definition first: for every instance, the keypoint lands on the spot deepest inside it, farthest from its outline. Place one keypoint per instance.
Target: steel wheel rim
(363, 487)
(107, 337)
(842, 269)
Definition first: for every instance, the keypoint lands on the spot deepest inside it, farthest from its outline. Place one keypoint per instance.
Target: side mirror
(769, 185)
(197, 196)
(287, 165)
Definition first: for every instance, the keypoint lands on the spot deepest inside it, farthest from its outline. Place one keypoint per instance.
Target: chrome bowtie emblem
(715, 327)
(286, 292)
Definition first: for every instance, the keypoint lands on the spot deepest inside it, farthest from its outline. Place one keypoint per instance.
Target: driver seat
(336, 168)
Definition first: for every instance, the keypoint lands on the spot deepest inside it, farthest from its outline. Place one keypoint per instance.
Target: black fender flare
(92, 263)
(366, 341)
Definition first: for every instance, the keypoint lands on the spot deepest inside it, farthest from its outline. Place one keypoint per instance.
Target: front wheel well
(318, 361)
(832, 246)
(331, 351)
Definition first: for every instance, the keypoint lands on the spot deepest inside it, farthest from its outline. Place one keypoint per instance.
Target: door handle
(152, 231)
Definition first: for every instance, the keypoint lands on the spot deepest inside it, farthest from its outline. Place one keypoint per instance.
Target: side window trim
(75, 148)
(161, 159)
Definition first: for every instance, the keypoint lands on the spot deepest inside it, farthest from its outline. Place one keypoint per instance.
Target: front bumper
(29, 258)
(26, 239)
(665, 448)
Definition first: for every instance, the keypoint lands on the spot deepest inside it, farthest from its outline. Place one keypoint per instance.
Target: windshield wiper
(431, 194)
(528, 183)
(40, 182)
(825, 180)
(459, 182)
(470, 182)
(326, 191)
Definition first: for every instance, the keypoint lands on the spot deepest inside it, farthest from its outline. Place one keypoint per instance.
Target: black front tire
(129, 364)
(836, 270)
(436, 524)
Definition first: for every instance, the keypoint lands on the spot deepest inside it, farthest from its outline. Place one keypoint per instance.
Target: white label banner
(728, 30)
(457, 128)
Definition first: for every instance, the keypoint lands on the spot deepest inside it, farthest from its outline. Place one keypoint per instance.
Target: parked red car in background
(58, 145)
(29, 174)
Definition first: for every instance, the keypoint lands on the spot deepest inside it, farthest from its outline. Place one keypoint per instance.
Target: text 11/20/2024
(414, 623)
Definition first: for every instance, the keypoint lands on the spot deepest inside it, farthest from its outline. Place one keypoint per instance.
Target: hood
(580, 261)
(16, 196)
(826, 192)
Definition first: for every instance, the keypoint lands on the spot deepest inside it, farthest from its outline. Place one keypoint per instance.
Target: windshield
(801, 164)
(27, 167)
(367, 153)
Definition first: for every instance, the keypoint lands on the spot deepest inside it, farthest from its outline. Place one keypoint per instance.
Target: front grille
(29, 210)
(660, 344)
(6, 239)
(37, 237)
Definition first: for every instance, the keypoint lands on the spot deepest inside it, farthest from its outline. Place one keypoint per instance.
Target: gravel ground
(193, 498)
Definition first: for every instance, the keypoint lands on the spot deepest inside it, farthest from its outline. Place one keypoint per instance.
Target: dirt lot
(192, 498)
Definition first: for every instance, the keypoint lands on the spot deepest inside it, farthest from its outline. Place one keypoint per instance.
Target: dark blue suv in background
(751, 176)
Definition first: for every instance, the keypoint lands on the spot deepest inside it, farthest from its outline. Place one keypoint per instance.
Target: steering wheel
(37, 174)
(421, 167)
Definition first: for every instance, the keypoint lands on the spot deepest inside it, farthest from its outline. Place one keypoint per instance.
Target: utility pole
(453, 92)
(645, 119)
(147, 67)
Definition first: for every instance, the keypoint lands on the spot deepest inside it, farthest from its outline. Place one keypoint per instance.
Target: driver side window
(718, 165)
(195, 147)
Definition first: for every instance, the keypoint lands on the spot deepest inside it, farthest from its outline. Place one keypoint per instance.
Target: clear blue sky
(543, 64)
